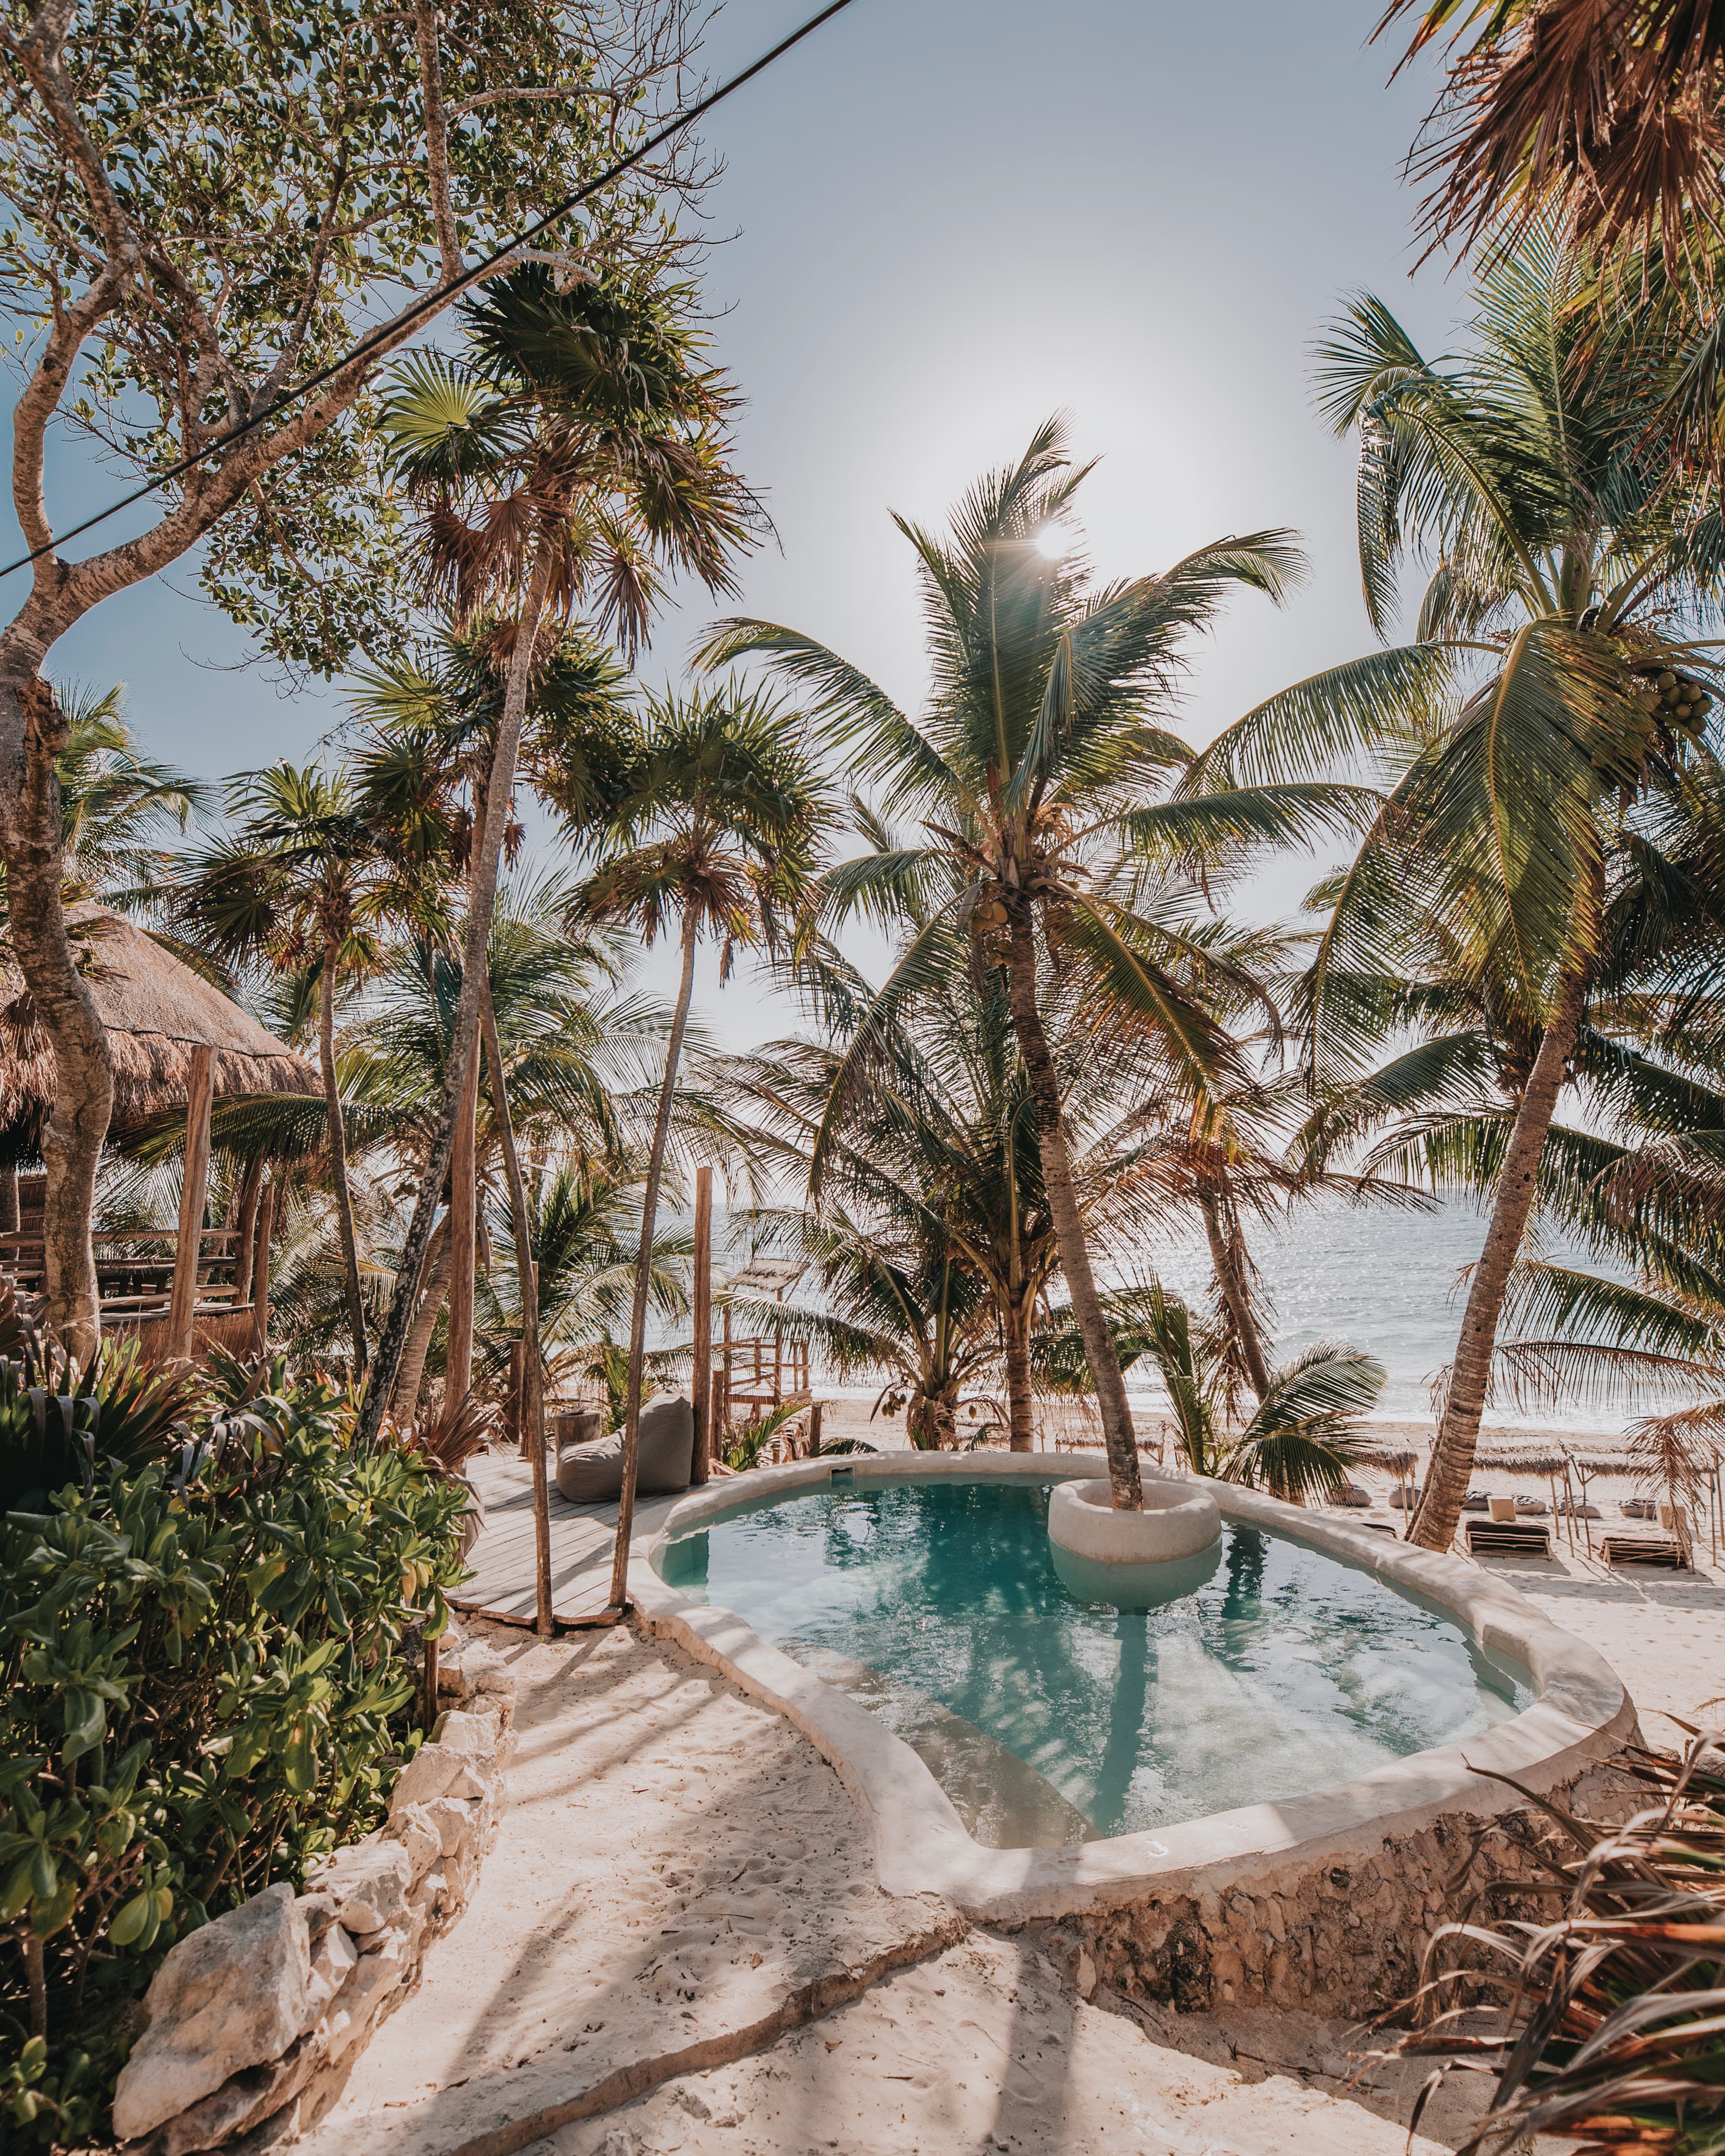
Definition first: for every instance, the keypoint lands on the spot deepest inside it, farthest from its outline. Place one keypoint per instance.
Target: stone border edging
(255, 2019)
(1580, 1717)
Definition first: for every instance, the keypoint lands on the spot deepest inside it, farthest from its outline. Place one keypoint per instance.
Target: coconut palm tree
(897, 1296)
(571, 455)
(302, 882)
(1555, 687)
(716, 832)
(118, 806)
(1033, 772)
(1302, 1435)
(936, 1135)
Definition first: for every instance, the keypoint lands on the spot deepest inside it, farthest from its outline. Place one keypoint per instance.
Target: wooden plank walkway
(582, 1540)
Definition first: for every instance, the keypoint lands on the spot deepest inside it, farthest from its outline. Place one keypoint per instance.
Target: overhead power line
(429, 303)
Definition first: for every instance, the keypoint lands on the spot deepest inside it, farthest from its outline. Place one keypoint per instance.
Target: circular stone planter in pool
(1134, 1560)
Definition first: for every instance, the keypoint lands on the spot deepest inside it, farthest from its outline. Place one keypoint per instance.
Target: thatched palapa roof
(156, 1011)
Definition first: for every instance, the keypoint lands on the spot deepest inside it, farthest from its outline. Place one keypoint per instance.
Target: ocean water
(1391, 1283)
(1049, 1719)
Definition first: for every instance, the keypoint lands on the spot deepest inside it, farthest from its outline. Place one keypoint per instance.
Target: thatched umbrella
(156, 1011)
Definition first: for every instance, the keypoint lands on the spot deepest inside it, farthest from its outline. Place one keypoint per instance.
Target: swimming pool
(1049, 1721)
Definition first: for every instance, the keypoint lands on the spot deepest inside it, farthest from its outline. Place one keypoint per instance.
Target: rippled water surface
(1050, 1721)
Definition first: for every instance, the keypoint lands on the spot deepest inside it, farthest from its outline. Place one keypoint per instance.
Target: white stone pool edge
(1580, 1717)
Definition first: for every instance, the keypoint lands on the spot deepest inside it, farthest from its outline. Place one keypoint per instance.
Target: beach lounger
(1506, 1538)
(1662, 1552)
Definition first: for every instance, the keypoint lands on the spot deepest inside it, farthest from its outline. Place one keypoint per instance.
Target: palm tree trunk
(644, 1270)
(406, 1403)
(1228, 1260)
(245, 1223)
(1439, 1513)
(481, 903)
(1117, 1432)
(338, 1153)
(463, 1217)
(532, 1401)
(1018, 1396)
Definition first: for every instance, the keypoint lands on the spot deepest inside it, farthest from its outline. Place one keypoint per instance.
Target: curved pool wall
(1325, 1896)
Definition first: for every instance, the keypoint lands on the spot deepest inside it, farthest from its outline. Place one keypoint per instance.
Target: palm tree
(571, 455)
(1552, 690)
(896, 1296)
(1302, 1437)
(117, 805)
(303, 882)
(935, 1140)
(1030, 771)
(717, 831)
(1608, 115)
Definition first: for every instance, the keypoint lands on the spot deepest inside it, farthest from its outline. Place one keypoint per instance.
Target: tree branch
(437, 140)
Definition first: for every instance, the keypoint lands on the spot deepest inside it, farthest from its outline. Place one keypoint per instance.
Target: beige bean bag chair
(589, 1474)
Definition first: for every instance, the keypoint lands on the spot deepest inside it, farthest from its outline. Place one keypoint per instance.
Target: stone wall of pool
(1325, 1899)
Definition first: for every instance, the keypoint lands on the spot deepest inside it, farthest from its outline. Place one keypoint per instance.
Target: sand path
(679, 1943)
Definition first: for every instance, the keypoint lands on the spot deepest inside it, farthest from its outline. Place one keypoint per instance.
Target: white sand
(678, 1945)
(681, 1883)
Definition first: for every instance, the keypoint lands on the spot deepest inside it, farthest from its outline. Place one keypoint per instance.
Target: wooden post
(8, 1201)
(722, 1420)
(703, 1379)
(517, 1392)
(182, 1303)
(260, 1271)
(814, 1416)
(427, 1700)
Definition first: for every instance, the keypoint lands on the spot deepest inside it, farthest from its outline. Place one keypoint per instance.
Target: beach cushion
(589, 1474)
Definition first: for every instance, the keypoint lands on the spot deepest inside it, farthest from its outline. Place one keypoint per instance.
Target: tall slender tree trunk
(1228, 1260)
(406, 1404)
(1019, 1399)
(1117, 1432)
(532, 1396)
(33, 733)
(245, 1224)
(463, 1227)
(481, 903)
(644, 1270)
(1439, 1511)
(338, 1153)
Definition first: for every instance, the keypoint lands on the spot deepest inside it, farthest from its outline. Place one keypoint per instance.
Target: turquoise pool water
(1048, 1720)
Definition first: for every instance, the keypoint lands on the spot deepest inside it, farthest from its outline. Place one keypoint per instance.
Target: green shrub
(201, 1690)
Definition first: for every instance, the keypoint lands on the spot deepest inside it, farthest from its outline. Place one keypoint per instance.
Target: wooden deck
(582, 1539)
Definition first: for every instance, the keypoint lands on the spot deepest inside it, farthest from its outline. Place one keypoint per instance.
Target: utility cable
(439, 295)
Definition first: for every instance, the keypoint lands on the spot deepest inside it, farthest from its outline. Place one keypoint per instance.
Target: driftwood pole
(703, 1325)
(261, 1271)
(182, 1303)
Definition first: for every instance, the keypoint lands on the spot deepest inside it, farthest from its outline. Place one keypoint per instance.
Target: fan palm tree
(718, 831)
(1555, 687)
(1030, 772)
(573, 454)
(302, 883)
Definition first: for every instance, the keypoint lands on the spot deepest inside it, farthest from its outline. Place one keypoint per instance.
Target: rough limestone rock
(486, 1671)
(452, 1818)
(474, 1735)
(417, 1833)
(362, 1996)
(333, 1961)
(369, 1881)
(426, 1776)
(233, 1994)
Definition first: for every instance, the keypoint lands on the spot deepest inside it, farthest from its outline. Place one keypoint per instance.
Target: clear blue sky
(951, 219)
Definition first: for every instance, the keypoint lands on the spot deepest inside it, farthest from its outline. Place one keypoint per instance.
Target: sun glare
(1052, 540)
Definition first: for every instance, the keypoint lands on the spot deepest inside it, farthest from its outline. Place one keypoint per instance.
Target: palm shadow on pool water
(1048, 1719)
